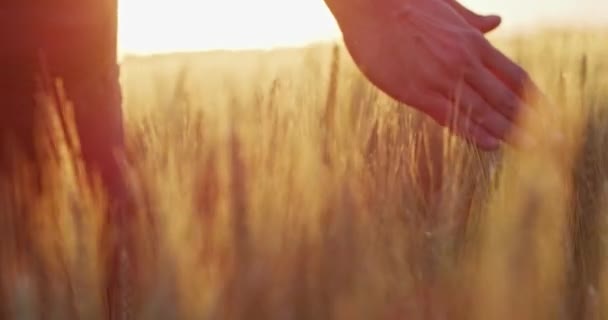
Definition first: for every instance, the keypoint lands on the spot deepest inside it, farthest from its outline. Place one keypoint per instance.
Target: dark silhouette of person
(71, 40)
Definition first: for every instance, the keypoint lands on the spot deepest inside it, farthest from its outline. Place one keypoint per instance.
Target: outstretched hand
(432, 55)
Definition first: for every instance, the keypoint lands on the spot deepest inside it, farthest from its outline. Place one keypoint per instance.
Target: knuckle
(517, 72)
(520, 74)
(482, 116)
(509, 101)
(480, 112)
(523, 78)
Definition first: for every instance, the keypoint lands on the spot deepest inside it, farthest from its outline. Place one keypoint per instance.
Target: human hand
(433, 56)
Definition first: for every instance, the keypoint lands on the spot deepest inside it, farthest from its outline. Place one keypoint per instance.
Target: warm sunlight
(157, 26)
(153, 26)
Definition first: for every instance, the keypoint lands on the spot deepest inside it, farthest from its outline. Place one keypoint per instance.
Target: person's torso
(70, 35)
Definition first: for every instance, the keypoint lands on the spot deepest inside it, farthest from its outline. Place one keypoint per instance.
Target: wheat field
(281, 185)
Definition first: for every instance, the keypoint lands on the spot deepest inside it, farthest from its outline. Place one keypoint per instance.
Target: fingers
(514, 76)
(502, 101)
(472, 105)
(484, 24)
(483, 97)
(495, 92)
(463, 127)
(446, 114)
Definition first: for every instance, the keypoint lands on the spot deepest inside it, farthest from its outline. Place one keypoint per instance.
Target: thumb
(485, 24)
(482, 23)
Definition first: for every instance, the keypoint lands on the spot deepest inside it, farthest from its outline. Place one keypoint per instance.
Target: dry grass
(282, 186)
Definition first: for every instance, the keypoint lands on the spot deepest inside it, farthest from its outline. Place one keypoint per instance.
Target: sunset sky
(158, 26)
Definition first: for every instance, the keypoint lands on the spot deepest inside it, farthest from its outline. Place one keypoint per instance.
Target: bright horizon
(162, 26)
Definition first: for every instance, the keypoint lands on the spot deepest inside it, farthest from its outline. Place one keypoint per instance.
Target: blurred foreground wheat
(282, 186)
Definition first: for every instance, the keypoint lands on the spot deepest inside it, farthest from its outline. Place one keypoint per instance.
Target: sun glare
(160, 26)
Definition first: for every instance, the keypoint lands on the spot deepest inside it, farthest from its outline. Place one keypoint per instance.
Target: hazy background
(154, 26)
(519, 13)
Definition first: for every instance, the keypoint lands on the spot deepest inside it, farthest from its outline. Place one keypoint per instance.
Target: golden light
(160, 26)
